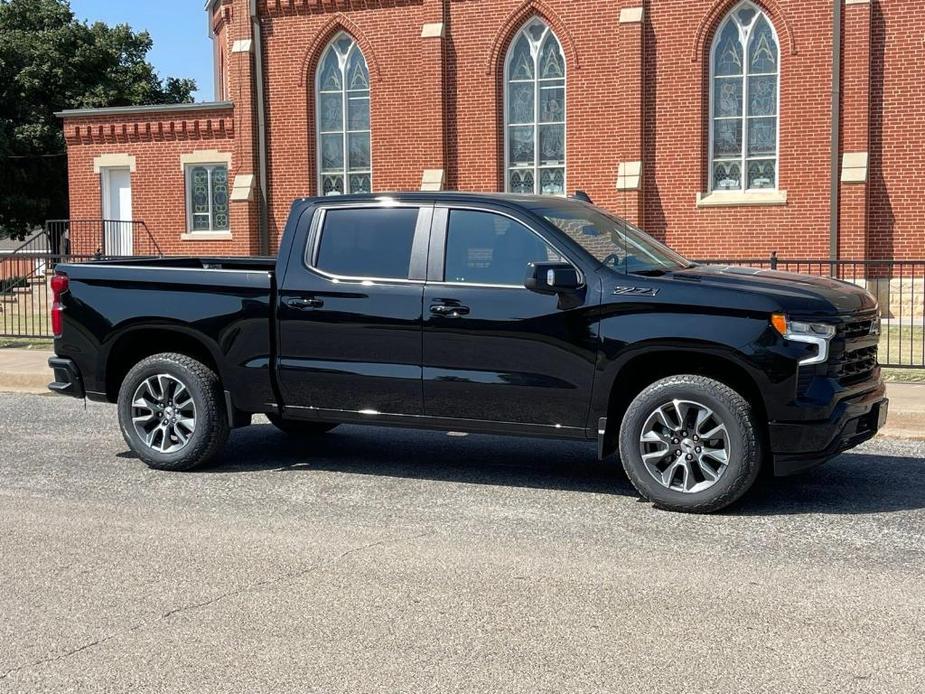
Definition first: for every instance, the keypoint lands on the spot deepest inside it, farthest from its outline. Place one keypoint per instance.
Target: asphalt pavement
(374, 560)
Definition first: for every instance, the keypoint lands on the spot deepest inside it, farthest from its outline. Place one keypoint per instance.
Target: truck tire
(690, 444)
(172, 412)
(295, 427)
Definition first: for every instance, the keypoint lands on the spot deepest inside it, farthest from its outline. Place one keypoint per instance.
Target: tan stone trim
(206, 236)
(432, 180)
(629, 174)
(205, 156)
(242, 46)
(631, 15)
(854, 167)
(434, 30)
(736, 198)
(243, 188)
(857, 2)
(114, 161)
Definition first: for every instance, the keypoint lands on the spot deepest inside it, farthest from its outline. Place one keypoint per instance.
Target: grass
(904, 375)
(13, 321)
(903, 345)
(25, 343)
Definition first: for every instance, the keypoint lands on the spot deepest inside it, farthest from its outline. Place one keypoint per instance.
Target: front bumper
(67, 378)
(799, 446)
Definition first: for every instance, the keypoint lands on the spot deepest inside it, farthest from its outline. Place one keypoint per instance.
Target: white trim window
(343, 120)
(744, 102)
(534, 112)
(207, 196)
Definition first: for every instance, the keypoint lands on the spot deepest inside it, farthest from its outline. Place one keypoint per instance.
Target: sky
(182, 47)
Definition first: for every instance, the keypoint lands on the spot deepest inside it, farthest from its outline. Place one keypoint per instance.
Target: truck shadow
(853, 483)
(426, 455)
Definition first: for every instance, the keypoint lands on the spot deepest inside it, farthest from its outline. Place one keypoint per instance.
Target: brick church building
(727, 128)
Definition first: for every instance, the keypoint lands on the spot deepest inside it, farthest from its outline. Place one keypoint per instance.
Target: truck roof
(527, 201)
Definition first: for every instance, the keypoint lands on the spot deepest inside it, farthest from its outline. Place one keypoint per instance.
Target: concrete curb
(26, 371)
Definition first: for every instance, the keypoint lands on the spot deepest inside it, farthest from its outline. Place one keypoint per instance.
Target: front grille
(853, 366)
(855, 329)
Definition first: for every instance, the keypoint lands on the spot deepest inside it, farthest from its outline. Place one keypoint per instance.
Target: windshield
(616, 243)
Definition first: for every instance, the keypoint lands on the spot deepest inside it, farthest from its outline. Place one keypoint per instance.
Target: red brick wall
(480, 34)
(157, 142)
(855, 128)
(635, 92)
(677, 134)
(389, 34)
(897, 137)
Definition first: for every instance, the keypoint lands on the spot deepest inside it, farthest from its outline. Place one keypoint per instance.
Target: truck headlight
(818, 334)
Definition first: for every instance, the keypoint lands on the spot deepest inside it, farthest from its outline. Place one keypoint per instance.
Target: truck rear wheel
(690, 443)
(295, 427)
(172, 412)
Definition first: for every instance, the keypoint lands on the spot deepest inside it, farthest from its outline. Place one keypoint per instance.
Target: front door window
(489, 248)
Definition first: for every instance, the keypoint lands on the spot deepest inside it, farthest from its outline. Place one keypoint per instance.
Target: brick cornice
(339, 22)
(717, 12)
(150, 128)
(513, 24)
(314, 7)
(221, 15)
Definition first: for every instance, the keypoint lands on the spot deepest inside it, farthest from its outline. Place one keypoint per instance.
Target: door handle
(449, 310)
(304, 304)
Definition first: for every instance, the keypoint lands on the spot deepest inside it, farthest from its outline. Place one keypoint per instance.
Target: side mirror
(552, 278)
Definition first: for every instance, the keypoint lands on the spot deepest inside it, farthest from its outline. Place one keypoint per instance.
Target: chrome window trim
(310, 256)
(476, 284)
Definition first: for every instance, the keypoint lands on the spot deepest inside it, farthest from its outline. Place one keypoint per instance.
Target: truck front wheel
(690, 443)
(172, 412)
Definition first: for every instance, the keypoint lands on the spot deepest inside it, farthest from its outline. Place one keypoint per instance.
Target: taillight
(59, 284)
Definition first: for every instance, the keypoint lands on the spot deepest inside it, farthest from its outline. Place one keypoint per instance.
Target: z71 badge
(635, 291)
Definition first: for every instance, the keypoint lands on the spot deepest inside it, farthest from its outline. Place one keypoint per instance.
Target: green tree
(49, 62)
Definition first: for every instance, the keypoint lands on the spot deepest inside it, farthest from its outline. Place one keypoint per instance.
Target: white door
(117, 211)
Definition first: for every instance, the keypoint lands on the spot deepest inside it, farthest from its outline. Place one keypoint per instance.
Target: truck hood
(802, 294)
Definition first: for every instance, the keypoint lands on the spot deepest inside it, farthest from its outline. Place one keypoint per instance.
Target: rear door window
(371, 242)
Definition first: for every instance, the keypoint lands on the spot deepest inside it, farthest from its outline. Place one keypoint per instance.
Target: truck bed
(225, 304)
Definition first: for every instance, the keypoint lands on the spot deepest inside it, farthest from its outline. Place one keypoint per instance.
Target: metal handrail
(41, 234)
(100, 227)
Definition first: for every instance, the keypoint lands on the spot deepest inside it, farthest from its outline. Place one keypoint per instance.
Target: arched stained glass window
(745, 79)
(534, 112)
(343, 125)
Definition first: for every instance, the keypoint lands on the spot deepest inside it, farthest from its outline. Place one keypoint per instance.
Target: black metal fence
(25, 273)
(899, 286)
(25, 294)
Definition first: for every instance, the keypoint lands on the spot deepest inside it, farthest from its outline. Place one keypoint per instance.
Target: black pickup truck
(501, 314)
